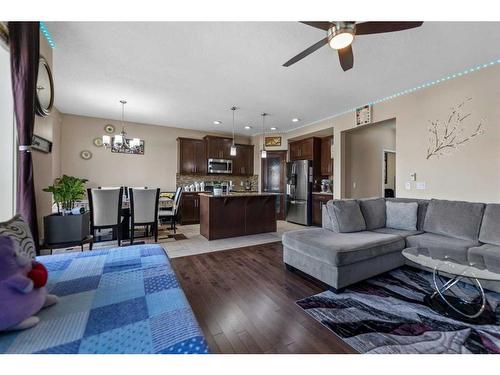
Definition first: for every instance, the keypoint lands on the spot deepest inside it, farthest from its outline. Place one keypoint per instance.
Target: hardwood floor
(244, 300)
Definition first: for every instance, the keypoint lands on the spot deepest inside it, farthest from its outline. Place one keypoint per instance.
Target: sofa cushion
(398, 232)
(401, 215)
(490, 227)
(340, 249)
(373, 211)
(345, 216)
(485, 256)
(440, 246)
(454, 218)
(19, 230)
(422, 208)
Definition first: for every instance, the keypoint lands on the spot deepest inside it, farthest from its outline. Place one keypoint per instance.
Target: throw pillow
(345, 216)
(373, 210)
(401, 215)
(17, 229)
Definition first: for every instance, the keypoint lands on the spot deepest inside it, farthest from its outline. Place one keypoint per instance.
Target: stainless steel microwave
(223, 166)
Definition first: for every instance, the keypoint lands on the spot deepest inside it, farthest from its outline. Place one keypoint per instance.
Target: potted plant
(67, 225)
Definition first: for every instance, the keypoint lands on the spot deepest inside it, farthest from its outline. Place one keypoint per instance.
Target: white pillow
(401, 215)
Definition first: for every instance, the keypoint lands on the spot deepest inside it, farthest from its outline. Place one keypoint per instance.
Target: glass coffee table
(450, 297)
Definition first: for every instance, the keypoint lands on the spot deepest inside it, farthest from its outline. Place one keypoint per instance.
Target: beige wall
(471, 173)
(157, 167)
(46, 167)
(364, 156)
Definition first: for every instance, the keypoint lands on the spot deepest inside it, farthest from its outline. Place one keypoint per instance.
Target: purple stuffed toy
(20, 298)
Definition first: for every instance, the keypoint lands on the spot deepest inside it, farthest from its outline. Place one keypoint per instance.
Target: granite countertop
(239, 194)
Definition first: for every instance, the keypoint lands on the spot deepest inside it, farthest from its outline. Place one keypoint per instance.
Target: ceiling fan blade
(307, 52)
(323, 25)
(376, 27)
(346, 58)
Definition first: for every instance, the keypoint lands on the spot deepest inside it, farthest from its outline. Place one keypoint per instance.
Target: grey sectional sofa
(353, 246)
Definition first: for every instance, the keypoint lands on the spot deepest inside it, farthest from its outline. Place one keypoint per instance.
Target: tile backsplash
(238, 181)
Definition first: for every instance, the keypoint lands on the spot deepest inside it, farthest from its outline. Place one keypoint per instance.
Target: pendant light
(233, 147)
(263, 152)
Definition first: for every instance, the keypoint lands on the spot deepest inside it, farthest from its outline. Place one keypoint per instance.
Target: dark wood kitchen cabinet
(243, 161)
(192, 156)
(305, 149)
(318, 200)
(218, 147)
(326, 156)
(189, 208)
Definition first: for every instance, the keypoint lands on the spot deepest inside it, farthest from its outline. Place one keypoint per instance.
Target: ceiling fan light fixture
(341, 35)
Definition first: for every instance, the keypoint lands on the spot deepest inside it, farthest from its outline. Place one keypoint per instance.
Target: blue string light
(46, 33)
(424, 85)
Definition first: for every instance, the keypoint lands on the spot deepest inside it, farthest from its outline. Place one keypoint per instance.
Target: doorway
(273, 179)
(389, 174)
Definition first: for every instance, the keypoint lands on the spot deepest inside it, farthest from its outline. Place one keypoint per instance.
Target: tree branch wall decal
(448, 136)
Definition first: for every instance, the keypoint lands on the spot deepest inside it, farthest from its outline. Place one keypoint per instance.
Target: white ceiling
(188, 74)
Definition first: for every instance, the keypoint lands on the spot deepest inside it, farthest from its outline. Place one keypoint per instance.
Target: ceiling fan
(340, 36)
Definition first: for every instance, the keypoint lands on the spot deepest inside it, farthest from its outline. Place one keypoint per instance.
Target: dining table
(163, 203)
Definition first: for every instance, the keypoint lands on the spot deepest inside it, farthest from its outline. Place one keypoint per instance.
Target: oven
(222, 166)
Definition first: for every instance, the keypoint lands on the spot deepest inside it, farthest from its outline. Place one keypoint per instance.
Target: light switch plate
(420, 186)
(408, 186)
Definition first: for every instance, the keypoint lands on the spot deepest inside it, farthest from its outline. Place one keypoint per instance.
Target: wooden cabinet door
(200, 157)
(306, 148)
(249, 160)
(326, 158)
(190, 209)
(226, 144)
(317, 207)
(186, 156)
(295, 150)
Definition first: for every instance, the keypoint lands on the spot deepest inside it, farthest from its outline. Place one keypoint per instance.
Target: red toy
(38, 274)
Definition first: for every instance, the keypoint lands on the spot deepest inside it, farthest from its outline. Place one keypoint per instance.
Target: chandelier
(120, 142)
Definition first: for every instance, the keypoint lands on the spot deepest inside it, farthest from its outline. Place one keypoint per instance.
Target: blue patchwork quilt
(122, 300)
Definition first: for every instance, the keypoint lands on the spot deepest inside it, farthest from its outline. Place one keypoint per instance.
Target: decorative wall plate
(109, 128)
(97, 142)
(86, 155)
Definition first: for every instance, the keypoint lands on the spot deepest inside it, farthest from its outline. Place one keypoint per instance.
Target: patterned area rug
(386, 314)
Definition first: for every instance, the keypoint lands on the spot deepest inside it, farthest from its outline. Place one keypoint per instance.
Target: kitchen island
(237, 214)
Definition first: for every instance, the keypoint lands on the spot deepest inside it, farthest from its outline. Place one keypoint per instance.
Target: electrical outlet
(420, 186)
(408, 186)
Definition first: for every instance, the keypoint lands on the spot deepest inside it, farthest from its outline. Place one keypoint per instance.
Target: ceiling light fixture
(263, 152)
(273, 128)
(120, 141)
(341, 35)
(233, 147)
(217, 122)
(248, 127)
(295, 120)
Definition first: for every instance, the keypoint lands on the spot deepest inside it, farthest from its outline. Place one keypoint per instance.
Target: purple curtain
(24, 55)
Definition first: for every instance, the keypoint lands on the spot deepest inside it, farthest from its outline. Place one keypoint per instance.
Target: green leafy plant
(66, 190)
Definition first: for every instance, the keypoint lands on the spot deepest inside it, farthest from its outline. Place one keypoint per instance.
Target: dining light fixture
(263, 152)
(120, 141)
(233, 146)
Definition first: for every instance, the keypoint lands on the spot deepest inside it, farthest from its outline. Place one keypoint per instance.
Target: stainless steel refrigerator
(299, 178)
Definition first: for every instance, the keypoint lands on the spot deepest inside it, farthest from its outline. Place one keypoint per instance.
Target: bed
(121, 300)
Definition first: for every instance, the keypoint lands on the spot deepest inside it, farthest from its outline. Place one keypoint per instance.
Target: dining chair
(144, 210)
(105, 210)
(171, 214)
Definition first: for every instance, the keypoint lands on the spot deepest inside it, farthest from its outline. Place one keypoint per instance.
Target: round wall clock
(110, 129)
(44, 89)
(86, 155)
(97, 142)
